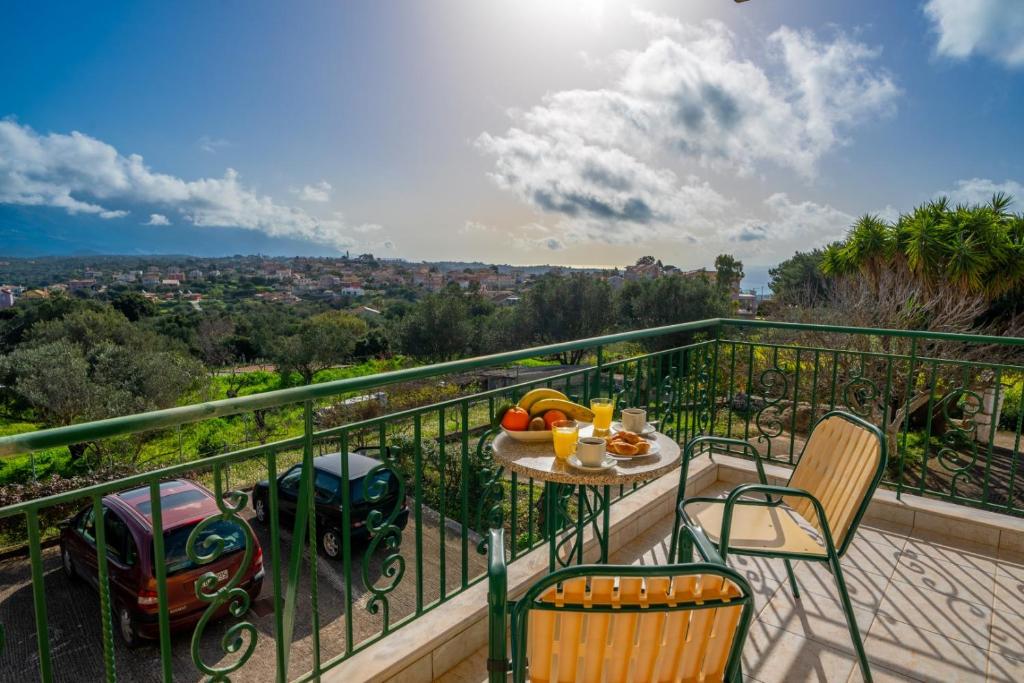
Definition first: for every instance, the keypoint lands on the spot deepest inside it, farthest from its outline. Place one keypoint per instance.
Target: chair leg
(675, 538)
(792, 580)
(685, 544)
(851, 621)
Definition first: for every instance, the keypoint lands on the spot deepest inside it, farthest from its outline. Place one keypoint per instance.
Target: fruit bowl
(528, 436)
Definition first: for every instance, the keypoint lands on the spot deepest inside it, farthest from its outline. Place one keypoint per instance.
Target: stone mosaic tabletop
(537, 460)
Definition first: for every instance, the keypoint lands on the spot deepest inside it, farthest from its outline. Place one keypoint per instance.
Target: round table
(537, 461)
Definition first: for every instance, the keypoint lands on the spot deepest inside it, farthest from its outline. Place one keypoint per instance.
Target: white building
(7, 297)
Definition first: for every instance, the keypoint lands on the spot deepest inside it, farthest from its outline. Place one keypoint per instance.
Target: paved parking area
(74, 619)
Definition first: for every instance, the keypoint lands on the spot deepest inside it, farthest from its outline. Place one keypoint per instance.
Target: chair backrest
(841, 466)
(669, 623)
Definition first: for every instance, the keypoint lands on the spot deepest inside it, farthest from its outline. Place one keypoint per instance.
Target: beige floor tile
(922, 655)
(879, 674)
(866, 589)
(949, 616)
(1002, 669)
(817, 617)
(949, 550)
(765, 576)
(1007, 635)
(473, 669)
(1009, 589)
(893, 529)
(949, 579)
(776, 656)
(874, 551)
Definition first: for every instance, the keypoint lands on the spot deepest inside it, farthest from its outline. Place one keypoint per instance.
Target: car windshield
(176, 540)
(363, 487)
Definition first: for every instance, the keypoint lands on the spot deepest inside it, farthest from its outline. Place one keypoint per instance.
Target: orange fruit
(553, 416)
(516, 419)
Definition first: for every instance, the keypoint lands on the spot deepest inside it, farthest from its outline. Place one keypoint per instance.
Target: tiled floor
(930, 608)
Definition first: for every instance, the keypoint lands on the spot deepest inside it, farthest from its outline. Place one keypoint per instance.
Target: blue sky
(578, 132)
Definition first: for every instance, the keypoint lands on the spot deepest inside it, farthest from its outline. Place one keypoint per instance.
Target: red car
(130, 559)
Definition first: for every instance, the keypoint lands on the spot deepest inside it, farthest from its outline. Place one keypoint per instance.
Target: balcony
(937, 571)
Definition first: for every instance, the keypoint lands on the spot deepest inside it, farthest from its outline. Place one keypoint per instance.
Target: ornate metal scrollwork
(702, 397)
(240, 637)
(774, 386)
(491, 511)
(670, 402)
(951, 455)
(860, 393)
(384, 533)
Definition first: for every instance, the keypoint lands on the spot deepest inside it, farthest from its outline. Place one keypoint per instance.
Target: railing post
(902, 446)
(39, 597)
(103, 577)
(302, 506)
(156, 507)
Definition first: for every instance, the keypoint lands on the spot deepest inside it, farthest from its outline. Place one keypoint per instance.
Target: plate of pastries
(626, 444)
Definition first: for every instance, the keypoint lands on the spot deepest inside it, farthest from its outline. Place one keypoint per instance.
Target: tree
(562, 308)
(941, 268)
(321, 341)
(93, 365)
(133, 305)
(17, 322)
(668, 301)
(438, 327)
(798, 281)
(728, 272)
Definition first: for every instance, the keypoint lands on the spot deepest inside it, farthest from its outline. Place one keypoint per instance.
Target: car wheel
(67, 563)
(261, 510)
(126, 627)
(330, 543)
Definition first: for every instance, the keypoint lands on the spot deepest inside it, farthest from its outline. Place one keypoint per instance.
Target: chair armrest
(735, 495)
(726, 441)
(704, 546)
(684, 471)
(497, 606)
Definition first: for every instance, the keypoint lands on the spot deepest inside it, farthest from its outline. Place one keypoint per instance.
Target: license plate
(222, 576)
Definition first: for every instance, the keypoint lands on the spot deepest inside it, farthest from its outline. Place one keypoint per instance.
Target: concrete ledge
(921, 514)
(440, 639)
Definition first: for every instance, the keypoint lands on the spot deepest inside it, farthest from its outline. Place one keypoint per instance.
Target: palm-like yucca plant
(922, 239)
(975, 250)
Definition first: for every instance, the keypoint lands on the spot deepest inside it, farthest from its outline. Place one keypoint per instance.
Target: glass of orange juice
(565, 434)
(602, 408)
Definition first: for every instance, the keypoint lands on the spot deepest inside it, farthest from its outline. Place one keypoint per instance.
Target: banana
(534, 395)
(573, 410)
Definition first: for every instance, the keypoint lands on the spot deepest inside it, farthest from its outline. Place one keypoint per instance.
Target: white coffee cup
(634, 419)
(590, 451)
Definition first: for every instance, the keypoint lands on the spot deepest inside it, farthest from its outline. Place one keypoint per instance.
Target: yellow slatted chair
(621, 624)
(814, 517)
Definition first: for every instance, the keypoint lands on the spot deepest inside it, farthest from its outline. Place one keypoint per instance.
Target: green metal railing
(758, 381)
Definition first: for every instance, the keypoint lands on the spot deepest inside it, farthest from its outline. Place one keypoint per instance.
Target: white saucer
(647, 430)
(609, 462)
(653, 448)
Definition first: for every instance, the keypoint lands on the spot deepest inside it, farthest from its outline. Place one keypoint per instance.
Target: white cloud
(993, 28)
(610, 156)
(980, 191)
(113, 214)
(320, 192)
(657, 24)
(157, 219)
(474, 227)
(210, 145)
(81, 174)
(365, 228)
